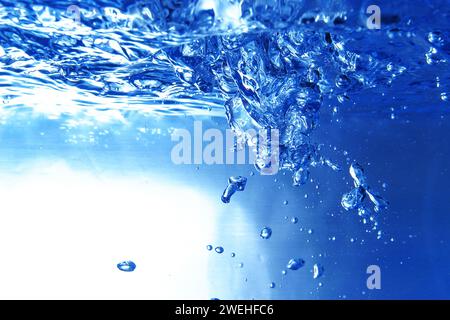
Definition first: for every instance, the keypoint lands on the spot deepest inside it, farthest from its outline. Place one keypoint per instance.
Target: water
(92, 91)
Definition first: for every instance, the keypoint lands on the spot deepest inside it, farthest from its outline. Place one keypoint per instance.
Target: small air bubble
(219, 250)
(126, 266)
(266, 233)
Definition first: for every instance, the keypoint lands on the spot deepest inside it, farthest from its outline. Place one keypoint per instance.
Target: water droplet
(209, 247)
(294, 220)
(295, 264)
(127, 266)
(283, 272)
(219, 250)
(272, 285)
(233, 254)
(241, 265)
(285, 202)
(317, 270)
(266, 233)
(310, 231)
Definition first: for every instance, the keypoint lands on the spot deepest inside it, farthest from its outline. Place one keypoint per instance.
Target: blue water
(98, 87)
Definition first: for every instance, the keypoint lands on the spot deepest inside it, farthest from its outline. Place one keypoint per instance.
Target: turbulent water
(261, 64)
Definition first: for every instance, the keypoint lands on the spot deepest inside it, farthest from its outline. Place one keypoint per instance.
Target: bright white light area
(227, 13)
(62, 232)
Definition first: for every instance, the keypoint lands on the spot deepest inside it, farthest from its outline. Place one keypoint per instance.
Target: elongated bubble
(237, 183)
(357, 173)
(295, 264)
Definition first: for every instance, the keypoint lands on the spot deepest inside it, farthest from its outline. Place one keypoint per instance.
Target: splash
(261, 64)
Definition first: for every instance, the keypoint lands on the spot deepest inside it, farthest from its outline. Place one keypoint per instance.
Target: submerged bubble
(219, 250)
(300, 177)
(266, 233)
(126, 266)
(294, 220)
(377, 200)
(285, 202)
(317, 270)
(352, 199)
(235, 183)
(379, 233)
(272, 285)
(357, 174)
(233, 254)
(295, 264)
(209, 247)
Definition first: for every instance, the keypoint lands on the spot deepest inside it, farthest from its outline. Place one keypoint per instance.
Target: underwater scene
(225, 149)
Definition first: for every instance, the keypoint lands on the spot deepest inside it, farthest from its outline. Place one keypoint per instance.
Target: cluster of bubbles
(353, 200)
